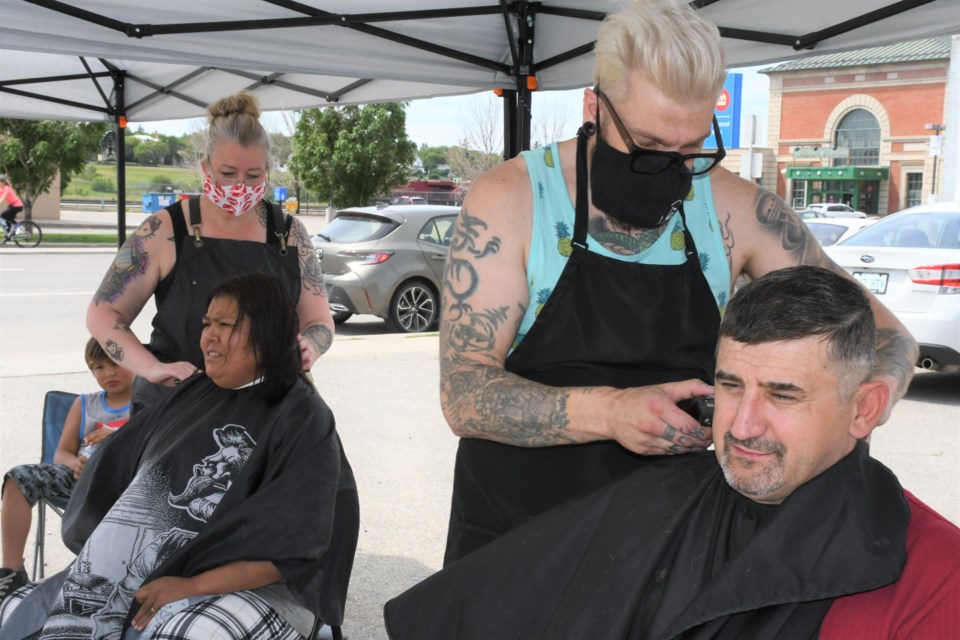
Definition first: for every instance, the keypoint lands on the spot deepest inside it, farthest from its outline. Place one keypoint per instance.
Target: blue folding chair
(56, 405)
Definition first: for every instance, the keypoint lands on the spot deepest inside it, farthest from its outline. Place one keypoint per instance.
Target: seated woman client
(226, 510)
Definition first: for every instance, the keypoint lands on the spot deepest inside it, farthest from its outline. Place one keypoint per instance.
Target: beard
(752, 478)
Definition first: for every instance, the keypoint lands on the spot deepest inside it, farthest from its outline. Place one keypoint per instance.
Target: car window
(919, 230)
(438, 230)
(352, 227)
(826, 233)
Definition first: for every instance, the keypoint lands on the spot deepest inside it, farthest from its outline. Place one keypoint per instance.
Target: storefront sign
(806, 153)
(727, 113)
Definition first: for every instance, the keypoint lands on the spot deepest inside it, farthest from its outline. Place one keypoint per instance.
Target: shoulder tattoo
(461, 280)
(311, 275)
(775, 217)
(130, 263)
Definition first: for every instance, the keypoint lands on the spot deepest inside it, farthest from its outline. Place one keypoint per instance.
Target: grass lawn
(101, 181)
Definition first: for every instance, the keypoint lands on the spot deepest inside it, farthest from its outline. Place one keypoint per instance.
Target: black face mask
(639, 200)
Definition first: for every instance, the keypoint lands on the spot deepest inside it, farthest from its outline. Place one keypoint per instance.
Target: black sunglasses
(650, 161)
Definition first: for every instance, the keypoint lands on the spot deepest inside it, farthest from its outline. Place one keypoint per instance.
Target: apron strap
(195, 220)
(179, 226)
(582, 208)
(276, 222)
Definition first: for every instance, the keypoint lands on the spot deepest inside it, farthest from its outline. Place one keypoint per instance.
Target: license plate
(875, 282)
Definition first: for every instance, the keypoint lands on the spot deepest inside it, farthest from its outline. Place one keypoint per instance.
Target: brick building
(857, 127)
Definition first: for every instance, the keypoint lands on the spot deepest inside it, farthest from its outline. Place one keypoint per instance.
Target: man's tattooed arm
(896, 350)
(483, 400)
(480, 399)
(130, 263)
(896, 356)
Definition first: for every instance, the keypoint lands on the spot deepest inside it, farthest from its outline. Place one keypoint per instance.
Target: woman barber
(178, 253)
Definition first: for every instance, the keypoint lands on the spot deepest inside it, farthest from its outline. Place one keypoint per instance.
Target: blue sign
(727, 113)
(279, 194)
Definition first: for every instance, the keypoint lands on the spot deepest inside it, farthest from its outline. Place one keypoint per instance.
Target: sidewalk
(95, 221)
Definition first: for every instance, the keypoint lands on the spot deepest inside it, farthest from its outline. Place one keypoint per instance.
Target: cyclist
(14, 206)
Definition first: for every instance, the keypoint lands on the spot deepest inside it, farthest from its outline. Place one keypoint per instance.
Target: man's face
(228, 357)
(653, 120)
(780, 419)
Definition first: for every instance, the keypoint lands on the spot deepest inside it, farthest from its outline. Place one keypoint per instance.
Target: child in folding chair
(93, 417)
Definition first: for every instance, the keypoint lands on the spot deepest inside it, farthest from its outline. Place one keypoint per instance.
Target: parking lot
(383, 389)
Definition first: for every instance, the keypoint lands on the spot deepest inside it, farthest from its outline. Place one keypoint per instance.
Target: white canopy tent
(103, 59)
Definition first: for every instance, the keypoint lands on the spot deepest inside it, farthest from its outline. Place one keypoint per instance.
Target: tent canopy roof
(63, 58)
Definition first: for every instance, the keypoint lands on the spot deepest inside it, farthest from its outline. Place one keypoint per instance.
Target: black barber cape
(670, 551)
(206, 477)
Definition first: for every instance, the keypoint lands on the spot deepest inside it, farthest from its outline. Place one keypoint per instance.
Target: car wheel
(341, 317)
(413, 309)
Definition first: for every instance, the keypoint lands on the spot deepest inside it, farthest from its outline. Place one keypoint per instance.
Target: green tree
(151, 153)
(349, 155)
(32, 152)
(174, 145)
(433, 158)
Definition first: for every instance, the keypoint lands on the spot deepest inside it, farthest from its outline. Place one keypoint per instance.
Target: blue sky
(444, 121)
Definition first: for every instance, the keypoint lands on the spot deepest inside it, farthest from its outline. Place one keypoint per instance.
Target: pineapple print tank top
(553, 216)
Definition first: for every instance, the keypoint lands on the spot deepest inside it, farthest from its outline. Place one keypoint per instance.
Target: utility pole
(936, 143)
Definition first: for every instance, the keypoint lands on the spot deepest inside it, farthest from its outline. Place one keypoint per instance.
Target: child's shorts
(37, 481)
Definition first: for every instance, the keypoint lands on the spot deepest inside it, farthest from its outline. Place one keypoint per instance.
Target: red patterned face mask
(235, 199)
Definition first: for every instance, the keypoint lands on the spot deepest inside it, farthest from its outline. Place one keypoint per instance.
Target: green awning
(838, 173)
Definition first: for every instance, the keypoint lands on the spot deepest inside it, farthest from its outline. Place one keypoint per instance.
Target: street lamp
(936, 128)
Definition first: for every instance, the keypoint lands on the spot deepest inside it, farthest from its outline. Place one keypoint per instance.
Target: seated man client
(788, 530)
(226, 510)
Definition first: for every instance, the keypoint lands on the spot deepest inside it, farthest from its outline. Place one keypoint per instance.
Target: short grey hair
(804, 301)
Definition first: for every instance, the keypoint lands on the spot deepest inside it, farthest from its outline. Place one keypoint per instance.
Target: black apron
(607, 323)
(181, 297)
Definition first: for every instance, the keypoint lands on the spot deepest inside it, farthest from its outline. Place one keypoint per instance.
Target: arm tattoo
(896, 355)
(121, 325)
(311, 274)
(114, 350)
(319, 336)
(726, 233)
(775, 217)
(491, 402)
(262, 213)
(461, 279)
(130, 263)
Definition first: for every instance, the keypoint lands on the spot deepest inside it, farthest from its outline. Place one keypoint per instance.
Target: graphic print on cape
(213, 477)
(151, 521)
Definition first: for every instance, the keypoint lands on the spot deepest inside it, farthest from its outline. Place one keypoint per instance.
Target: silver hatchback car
(388, 262)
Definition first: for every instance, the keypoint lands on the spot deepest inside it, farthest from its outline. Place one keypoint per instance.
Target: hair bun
(242, 102)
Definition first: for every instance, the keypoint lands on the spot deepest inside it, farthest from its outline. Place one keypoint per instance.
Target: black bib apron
(607, 323)
(181, 297)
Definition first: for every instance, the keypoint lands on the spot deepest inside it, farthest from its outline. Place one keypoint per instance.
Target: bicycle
(26, 233)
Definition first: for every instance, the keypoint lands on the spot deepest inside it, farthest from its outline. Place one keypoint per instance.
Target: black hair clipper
(700, 408)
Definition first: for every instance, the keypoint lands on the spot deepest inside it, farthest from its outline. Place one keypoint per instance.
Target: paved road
(383, 390)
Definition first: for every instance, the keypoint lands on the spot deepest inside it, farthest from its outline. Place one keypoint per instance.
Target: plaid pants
(235, 616)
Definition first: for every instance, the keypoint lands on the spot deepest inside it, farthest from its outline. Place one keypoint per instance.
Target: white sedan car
(911, 261)
(830, 231)
(834, 210)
